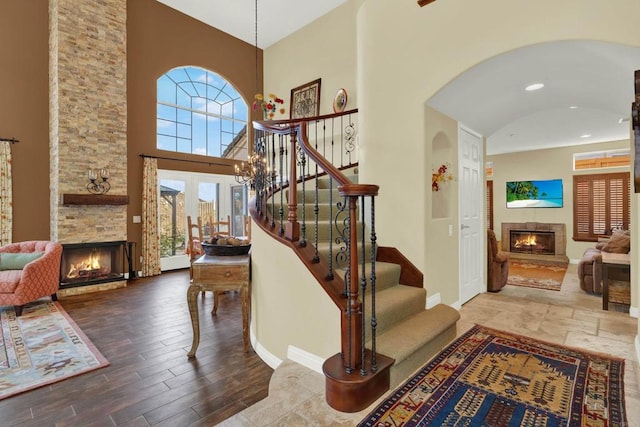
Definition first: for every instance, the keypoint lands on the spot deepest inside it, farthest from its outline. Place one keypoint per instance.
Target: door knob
(462, 227)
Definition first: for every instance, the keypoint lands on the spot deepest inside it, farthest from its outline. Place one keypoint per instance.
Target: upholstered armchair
(590, 265)
(29, 271)
(498, 264)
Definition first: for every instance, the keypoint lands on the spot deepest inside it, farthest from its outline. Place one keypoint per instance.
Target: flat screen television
(534, 194)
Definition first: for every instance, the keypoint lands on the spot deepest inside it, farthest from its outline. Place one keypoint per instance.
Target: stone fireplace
(535, 239)
(88, 122)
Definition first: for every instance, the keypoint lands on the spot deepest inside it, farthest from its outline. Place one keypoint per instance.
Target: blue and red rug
(488, 377)
(41, 347)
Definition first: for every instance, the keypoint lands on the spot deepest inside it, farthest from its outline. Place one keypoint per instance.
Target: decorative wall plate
(340, 101)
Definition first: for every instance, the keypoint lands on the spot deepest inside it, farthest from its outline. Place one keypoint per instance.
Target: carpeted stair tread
(387, 275)
(323, 249)
(409, 335)
(394, 305)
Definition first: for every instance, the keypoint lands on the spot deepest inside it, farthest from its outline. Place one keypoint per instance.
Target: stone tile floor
(569, 317)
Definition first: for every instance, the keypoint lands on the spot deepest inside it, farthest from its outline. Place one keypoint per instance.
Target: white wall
(392, 56)
(417, 53)
(540, 165)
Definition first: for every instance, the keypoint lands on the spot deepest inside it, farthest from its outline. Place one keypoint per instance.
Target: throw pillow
(619, 243)
(17, 261)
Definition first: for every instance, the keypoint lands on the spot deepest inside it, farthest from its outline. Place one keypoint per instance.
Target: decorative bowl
(225, 250)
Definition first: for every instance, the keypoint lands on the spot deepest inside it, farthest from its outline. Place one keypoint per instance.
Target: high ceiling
(595, 78)
(276, 18)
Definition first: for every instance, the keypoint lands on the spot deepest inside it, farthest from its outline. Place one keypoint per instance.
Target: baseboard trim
(433, 301)
(264, 354)
(304, 358)
(457, 305)
(634, 312)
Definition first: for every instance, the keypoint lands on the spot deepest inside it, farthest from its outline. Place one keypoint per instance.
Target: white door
(471, 197)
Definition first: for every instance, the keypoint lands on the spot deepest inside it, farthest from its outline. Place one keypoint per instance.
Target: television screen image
(534, 194)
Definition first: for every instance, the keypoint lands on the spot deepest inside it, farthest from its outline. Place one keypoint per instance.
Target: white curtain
(6, 194)
(150, 235)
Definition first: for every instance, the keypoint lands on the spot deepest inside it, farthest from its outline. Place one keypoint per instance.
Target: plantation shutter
(601, 202)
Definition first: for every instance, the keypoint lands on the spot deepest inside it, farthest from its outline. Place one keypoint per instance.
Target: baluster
(316, 211)
(292, 227)
(303, 227)
(274, 175)
(363, 288)
(281, 209)
(374, 320)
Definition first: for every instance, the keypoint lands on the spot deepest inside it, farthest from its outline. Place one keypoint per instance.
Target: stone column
(88, 114)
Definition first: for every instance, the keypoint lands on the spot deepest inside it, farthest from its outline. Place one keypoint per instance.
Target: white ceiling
(595, 77)
(276, 18)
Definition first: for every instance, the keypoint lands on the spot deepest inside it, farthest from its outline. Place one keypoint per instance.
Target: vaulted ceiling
(588, 85)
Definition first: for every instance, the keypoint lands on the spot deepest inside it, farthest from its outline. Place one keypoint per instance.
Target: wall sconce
(98, 187)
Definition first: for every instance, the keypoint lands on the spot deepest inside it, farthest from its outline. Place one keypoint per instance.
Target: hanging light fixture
(245, 172)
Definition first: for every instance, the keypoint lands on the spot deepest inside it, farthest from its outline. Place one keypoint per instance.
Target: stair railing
(296, 153)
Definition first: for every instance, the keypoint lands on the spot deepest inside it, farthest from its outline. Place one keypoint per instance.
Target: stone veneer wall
(88, 114)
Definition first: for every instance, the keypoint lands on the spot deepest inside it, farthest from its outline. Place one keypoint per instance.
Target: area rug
(534, 274)
(41, 347)
(488, 377)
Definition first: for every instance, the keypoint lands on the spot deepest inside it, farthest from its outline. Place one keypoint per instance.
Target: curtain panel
(150, 235)
(6, 194)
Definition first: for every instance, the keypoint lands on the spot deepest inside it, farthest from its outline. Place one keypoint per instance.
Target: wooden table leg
(605, 286)
(192, 296)
(244, 294)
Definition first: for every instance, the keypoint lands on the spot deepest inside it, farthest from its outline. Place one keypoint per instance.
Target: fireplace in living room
(92, 263)
(532, 242)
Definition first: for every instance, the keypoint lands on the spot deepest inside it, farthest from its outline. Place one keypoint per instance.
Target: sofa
(498, 264)
(590, 265)
(29, 271)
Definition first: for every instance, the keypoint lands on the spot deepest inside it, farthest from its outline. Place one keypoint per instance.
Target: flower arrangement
(269, 106)
(441, 176)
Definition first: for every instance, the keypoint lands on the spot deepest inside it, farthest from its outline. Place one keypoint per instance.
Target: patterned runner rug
(492, 378)
(41, 347)
(534, 274)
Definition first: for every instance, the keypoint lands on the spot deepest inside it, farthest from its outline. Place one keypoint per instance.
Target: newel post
(352, 318)
(292, 226)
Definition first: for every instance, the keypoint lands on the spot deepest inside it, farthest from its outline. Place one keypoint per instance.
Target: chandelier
(246, 172)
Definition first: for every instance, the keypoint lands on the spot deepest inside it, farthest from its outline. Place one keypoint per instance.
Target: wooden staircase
(408, 334)
(307, 197)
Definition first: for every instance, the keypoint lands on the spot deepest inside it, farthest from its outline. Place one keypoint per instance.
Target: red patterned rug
(535, 274)
(41, 347)
(488, 377)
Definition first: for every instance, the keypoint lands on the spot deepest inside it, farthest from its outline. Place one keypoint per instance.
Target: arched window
(199, 112)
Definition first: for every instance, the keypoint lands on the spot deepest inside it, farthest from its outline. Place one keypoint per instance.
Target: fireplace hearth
(92, 263)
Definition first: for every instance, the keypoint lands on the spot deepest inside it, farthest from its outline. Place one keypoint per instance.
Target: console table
(219, 274)
(612, 260)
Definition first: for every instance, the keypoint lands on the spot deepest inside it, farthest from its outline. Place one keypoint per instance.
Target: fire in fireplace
(532, 242)
(92, 263)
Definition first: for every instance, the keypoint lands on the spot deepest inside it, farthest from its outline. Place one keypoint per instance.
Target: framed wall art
(305, 100)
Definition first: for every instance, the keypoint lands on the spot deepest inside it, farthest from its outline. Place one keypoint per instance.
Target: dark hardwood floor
(145, 333)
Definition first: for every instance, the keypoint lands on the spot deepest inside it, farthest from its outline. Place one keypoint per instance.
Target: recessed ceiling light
(534, 86)
(586, 135)
(573, 107)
